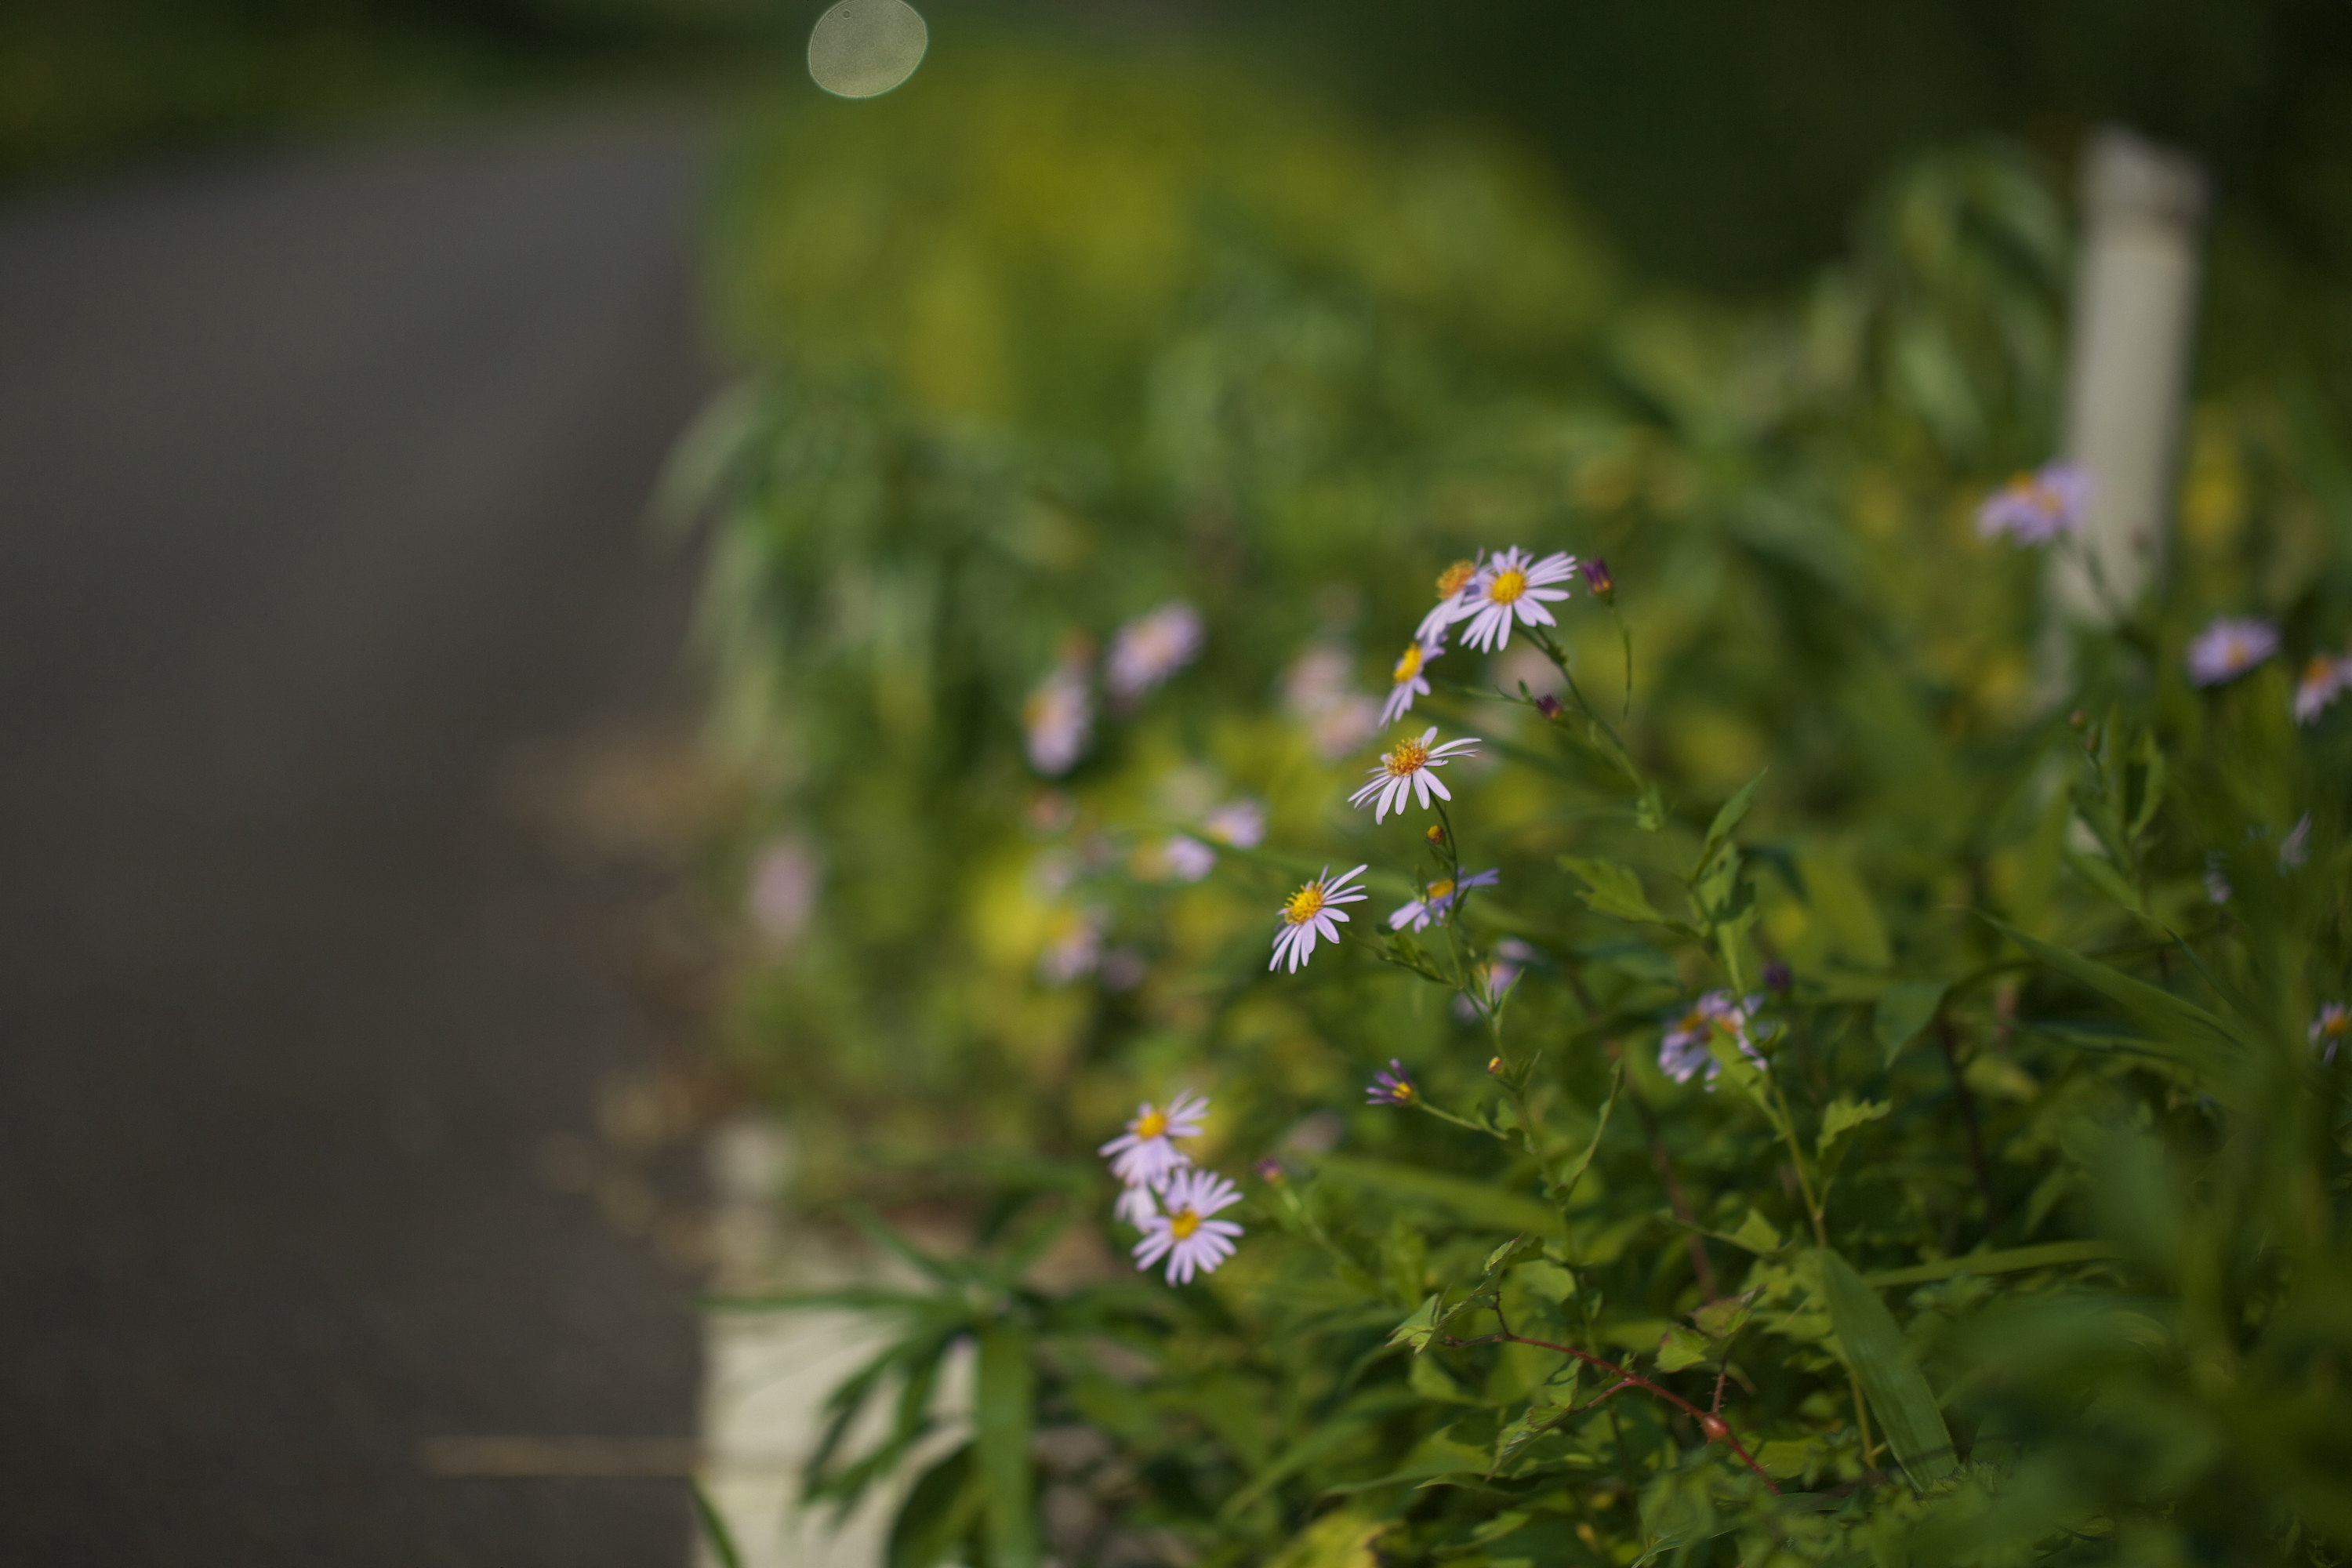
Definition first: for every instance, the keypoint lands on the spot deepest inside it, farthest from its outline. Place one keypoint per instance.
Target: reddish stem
(1716, 1430)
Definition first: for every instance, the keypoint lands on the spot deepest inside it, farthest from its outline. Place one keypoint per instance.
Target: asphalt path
(321, 476)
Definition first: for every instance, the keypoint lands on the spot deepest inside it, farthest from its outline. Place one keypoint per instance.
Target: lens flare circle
(862, 48)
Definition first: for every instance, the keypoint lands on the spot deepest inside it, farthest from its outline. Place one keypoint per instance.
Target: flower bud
(1436, 834)
(1550, 707)
(1269, 1169)
(1596, 575)
(1776, 978)
(1493, 1064)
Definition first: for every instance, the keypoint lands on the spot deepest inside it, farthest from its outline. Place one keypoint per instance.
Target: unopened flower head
(1683, 1051)
(1437, 898)
(1311, 913)
(1188, 858)
(1185, 1234)
(1152, 648)
(1453, 601)
(1060, 719)
(1391, 1086)
(1143, 1156)
(1410, 770)
(2036, 508)
(2328, 1031)
(1408, 679)
(2229, 648)
(1240, 823)
(1510, 589)
(2324, 680)
(1597, 578)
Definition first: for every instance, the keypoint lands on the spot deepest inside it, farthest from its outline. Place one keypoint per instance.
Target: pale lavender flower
(1310, 912)
(2229, 648)
(2036, 508)
(1407, 682)
(1059, 719)
(1143, 1156)
(1240, 823)
(1453, 601)
(1409, 770)
(1438, 898)
(1191, 1241)
(1391, 1086)
(2218, 890)
(1682, 1050)
(2295, 847)
(1508, 590)
(1188, 858)
(2327, 1030)
(2324, 680)
(1149, 648)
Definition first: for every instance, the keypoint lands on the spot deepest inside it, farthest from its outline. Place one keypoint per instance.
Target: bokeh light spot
(861, 48)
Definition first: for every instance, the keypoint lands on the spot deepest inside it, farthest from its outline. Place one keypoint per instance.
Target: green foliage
(2006, 1224)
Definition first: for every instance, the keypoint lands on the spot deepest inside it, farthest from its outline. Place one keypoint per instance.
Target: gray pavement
(319, 481)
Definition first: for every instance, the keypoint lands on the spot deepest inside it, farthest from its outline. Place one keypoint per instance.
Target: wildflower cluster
(1166, 1197)
(1059, 716)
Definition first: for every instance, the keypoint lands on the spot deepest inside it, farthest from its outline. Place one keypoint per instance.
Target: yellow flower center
(1440, 887)
(2314, 672)
(1304, 905)
(1455, 578)
(1151, 1124)
(1184, 1224)
(1409, 757)
(2336, 1025)
(1409, 666)
(1507, 587)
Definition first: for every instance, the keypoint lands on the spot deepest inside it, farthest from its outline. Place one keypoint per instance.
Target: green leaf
(714, 1531)
(1874, 1348)
(1416, 1332)
(1722, 1318)
(1844, 1116)
(1756, 1235)
(1682, 1347)
(1611, 889)
(2197, 1037)
(1006, 1400)
(1728, 820)
(1547, 1280)
(938, 1516)
(2049, 1255)
(2102, 877)
(1477, 1202)
(1904, 1009)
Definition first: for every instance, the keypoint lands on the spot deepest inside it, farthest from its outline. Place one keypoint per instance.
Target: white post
(2135, 314)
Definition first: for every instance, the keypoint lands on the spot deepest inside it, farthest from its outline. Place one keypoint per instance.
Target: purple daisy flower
(1143, 1156)
(1391, 1086)
(2229, 648)
(1185, 1234)
(2036, 508)
(1683, 1049)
